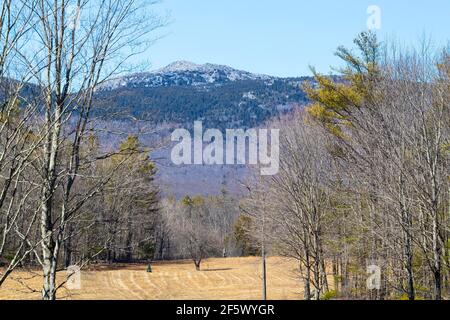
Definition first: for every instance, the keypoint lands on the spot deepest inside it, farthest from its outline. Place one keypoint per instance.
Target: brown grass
(231, 278)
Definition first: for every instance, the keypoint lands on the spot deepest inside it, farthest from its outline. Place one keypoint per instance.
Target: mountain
(179, 94)
(182, 73)
(183, 92)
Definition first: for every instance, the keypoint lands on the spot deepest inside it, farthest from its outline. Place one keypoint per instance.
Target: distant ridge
(181, 73)
(183, 92)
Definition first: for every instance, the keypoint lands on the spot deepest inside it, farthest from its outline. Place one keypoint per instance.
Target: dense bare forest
(364, 176)
(59, 188)
(364, 168)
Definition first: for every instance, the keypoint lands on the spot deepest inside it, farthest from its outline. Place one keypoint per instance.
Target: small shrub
(332, 294)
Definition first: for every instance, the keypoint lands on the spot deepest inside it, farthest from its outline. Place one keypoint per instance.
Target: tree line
(364, 177)
(64, 198)
(364, 173)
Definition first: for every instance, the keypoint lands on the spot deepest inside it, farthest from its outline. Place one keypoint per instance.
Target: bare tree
(300, 201)
(84, 42)
(19, 137)
(388, 120)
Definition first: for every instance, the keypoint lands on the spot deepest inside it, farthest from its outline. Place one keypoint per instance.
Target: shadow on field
(223, 269)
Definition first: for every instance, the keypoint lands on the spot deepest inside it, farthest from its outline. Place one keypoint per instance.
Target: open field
(230, 278)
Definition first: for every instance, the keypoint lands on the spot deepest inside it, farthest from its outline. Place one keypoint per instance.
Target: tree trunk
(49, 247)
(326, 288)
(409, 268)
(68, 250)
(197, 264)
(437, 264)
(264, 274)
(48, 263)
(307, 286)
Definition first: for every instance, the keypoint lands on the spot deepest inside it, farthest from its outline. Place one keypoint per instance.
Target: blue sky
(284, 37)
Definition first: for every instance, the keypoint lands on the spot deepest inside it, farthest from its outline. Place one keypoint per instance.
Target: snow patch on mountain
(183, 73)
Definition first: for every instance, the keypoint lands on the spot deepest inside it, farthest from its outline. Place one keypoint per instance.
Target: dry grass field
(231, 278)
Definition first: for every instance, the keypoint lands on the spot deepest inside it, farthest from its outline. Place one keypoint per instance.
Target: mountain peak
(183, 73)
(179, 66)
(187, 66)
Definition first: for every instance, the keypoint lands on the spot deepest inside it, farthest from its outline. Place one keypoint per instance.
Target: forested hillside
(359, 203)
(220, 96)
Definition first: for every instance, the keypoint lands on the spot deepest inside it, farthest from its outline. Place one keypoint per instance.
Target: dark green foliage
(219, 106)
(243, 236)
